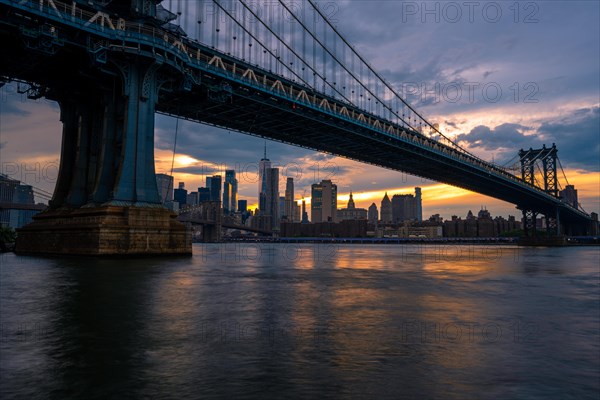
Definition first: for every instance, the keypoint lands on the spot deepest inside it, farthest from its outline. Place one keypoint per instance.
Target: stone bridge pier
(106, 199)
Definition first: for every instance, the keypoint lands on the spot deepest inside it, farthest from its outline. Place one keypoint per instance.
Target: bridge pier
(529, 223)
(106, 199)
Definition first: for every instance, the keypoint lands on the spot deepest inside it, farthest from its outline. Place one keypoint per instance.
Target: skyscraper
(242, 205)
(373, 214)
(233, 194)
(192, 199)
(180, 194)
(289, 199)
(297, 213)
(323, 206)
(304, 213)
(403, 208)
(281, 208)
(419, 204)
(164, 183)
(407, 207)
(215, 187)
(569, 195)
(263, 166)
(272, 196)
(203, 194)
(227, 189)
(386, 209)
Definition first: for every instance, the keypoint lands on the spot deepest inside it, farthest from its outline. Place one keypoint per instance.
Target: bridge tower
(530, 159)
(106, 199)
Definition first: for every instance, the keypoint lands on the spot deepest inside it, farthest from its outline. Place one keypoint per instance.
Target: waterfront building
(289, 205)
(215, 187)
(180, 194)
(232, 197)
(569, 195)
(164, 184)
(323, 205)
(351, 212)
(386, 210)
(203, 194)
(373, 214)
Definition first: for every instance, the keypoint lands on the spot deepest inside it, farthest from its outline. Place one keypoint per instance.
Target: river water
(304, 321)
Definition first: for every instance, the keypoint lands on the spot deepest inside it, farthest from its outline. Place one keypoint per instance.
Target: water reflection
(303, 320)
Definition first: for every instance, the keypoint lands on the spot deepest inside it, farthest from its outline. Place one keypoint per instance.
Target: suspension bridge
(286, 74)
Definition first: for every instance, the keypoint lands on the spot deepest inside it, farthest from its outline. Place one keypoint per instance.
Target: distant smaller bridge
(209, 216)
(22, 206)
(228, 225)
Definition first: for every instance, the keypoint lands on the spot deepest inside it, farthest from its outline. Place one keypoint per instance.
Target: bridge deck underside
(262, 115)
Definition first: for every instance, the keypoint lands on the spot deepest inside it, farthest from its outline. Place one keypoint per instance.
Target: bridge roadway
(223, 91)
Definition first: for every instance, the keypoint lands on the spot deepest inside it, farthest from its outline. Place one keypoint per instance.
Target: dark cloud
(577, 137)
(504, 136)
(220, 146)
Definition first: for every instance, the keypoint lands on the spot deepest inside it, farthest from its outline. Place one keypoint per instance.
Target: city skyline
(534, 109)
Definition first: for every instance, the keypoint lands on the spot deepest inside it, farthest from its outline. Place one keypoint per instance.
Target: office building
(281, 207)
(323, 202)
(13, 192)
(192, 199)
(215, 187)
(373, 214)
(404, 208)
(272, 197)
(351, 212)
(569, 195)
(305, 219)
(419, 204)
(407, 207)
(289, 199)
(164, 183)
(263, 166)
(180, 194)
(230, 178)
(227, 206)
(203, 194)
(386, 210)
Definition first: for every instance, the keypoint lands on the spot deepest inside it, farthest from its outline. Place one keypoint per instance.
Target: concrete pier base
(105, 231)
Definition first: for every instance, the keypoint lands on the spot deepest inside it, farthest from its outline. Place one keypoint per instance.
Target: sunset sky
(544, 57)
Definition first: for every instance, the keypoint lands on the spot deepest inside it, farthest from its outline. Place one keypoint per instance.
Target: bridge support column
(553, 224)
(106, 199)
(529, 223)
(210, 211)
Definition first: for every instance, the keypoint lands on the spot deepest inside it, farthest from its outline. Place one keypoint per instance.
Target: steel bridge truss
(548, 159)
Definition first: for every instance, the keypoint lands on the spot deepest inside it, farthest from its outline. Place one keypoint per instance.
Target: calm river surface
(304, 321)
